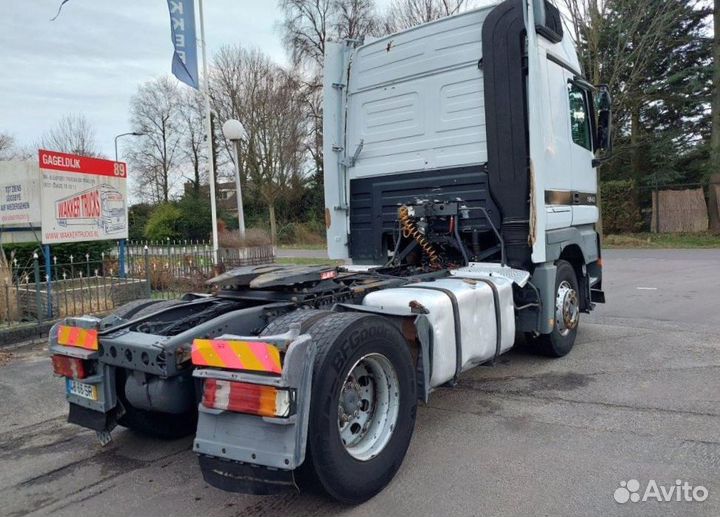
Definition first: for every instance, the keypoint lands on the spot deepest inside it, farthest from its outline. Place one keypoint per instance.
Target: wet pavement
(638, 398)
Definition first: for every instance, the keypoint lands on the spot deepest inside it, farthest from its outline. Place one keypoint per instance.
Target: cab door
(558, 170)
(584, 175)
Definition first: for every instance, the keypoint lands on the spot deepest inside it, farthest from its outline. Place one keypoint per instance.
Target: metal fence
(42, 288)
(174, 267)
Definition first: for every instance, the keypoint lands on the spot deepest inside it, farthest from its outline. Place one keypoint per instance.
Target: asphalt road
(638, 398)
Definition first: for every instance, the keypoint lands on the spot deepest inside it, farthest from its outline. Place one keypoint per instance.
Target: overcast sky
(92, 58)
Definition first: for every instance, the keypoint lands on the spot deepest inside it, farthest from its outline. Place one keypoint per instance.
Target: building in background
(225, 195)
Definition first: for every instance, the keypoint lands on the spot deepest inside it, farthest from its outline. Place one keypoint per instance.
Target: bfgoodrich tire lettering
(344, 339)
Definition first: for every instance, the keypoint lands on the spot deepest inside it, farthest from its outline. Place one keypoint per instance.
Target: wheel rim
(368, 406)
(567, 309)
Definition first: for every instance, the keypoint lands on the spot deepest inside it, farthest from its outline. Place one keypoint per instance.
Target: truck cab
(475, 112)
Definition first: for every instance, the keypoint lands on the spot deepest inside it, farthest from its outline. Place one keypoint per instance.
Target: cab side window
(579, 117)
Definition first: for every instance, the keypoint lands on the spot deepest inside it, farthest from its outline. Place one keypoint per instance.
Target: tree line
(280, 163)
(656, 57)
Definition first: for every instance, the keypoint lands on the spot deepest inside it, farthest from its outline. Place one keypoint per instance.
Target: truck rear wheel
(158, 305)
(567, 314)
(363, 406)
(304, 317)
(128, 310)
(166, 426)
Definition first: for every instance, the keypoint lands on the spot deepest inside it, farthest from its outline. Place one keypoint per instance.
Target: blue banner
(182, 24)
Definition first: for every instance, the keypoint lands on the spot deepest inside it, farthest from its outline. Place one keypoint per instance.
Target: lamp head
(234, 130)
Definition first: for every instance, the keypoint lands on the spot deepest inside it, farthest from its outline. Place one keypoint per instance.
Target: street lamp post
(121, 242)
(131, 133)
(235, 132)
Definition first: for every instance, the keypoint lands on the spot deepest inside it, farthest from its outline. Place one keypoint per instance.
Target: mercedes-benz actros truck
(460, 163)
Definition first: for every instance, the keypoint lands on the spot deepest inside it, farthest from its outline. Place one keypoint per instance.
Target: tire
(129, 309)
(166, 426)
(561, 340)
(155, 307)
(305, 317)
(349, 473)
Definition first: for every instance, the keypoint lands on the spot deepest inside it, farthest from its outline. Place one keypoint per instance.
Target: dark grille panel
(374, 204)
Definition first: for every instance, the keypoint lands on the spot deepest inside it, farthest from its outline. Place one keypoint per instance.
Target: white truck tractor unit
(460, 180)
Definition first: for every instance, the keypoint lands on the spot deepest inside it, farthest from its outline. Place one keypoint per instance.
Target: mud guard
(245, 478)
(423, 333)
(93, 419)
(239, 439)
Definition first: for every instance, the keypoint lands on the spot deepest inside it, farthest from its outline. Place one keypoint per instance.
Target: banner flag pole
(208, 124)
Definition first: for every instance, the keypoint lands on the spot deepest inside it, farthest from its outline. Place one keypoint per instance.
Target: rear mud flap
(246, 478)
(93, 419)
(597, 296)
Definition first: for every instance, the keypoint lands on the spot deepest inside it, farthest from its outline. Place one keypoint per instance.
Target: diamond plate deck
(491, 269)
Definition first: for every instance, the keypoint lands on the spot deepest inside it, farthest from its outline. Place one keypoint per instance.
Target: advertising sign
(19, 194)
(83, 199)
(19, 201)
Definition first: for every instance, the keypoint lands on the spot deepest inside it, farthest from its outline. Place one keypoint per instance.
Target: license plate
(81, 389)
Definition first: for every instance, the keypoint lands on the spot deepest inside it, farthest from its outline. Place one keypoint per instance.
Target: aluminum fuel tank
(465, 315)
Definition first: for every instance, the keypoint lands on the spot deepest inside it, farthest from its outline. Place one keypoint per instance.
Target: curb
(30, 334)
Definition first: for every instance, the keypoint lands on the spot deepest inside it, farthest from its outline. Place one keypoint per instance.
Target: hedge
(620, 207)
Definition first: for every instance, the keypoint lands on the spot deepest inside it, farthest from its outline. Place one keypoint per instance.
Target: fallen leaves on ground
(5, 358)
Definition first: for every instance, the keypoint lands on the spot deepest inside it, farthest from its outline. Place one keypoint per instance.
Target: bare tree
(305, 29)
(228, 87)
(229, 81)
(312, 99)
(72, 134)
(7, 144)
(246, 85)
(155, 111)
(403, 14)
(192, 117)
(353, 19)
(309, 24)
(275, 147)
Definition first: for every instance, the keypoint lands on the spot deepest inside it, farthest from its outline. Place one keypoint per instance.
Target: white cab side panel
(538, 138)
(560, 165)
(584, 175)
(585, 214)
(415, 99)
(558, 161)
(333, 138)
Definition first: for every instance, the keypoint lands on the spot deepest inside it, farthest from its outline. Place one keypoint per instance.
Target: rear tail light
(69, 366)
(78, 337)
(242, 397)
